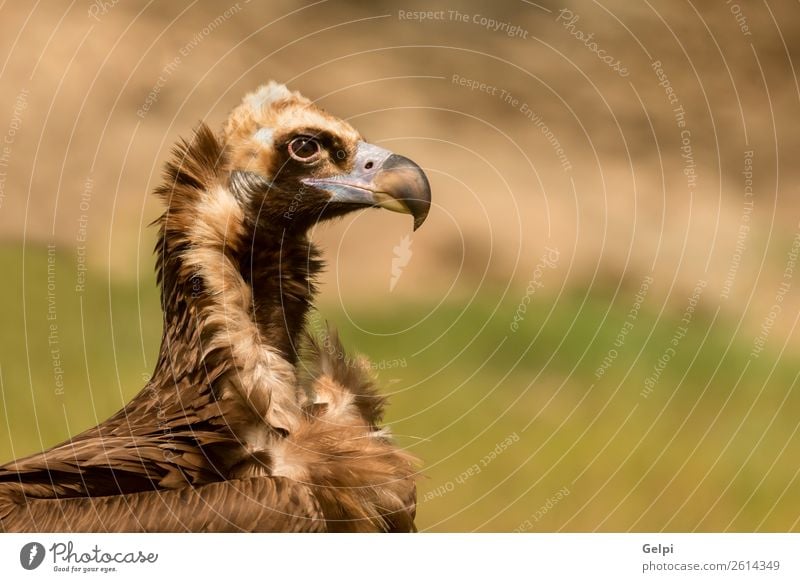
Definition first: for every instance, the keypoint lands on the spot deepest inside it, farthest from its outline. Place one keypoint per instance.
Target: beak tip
(419, 219)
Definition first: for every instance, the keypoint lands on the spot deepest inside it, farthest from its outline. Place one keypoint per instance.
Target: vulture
(249, 421)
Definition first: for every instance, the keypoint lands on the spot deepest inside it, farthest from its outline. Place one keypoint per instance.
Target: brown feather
(262, 505)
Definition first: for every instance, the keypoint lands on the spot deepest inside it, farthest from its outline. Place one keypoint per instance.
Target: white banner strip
(332, 557)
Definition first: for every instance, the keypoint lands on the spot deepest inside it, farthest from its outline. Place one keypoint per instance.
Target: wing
(166, 464)
(262, 504)
(160, 439)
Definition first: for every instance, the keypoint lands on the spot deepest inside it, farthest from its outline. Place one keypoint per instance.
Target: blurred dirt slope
(74, 76)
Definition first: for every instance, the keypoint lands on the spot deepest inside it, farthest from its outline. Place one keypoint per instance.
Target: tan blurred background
(561, 183)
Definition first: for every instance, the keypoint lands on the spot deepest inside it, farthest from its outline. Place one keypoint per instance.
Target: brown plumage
(227, 435)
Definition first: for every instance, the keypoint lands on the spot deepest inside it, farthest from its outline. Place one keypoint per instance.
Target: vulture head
(301, 165)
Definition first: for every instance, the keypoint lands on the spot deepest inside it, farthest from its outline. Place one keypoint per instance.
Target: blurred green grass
(714, 447)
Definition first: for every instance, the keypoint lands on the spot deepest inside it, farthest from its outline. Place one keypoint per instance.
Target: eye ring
(304, 148)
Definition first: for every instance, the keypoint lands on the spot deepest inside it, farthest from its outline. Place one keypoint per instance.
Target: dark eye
(304, 148)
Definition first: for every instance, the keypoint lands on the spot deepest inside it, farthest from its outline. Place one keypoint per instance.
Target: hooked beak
(381, 178)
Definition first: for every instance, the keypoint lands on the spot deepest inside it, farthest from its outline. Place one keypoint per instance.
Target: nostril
(369, 165)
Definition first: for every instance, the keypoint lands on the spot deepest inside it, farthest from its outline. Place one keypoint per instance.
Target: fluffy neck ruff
(234, 296)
